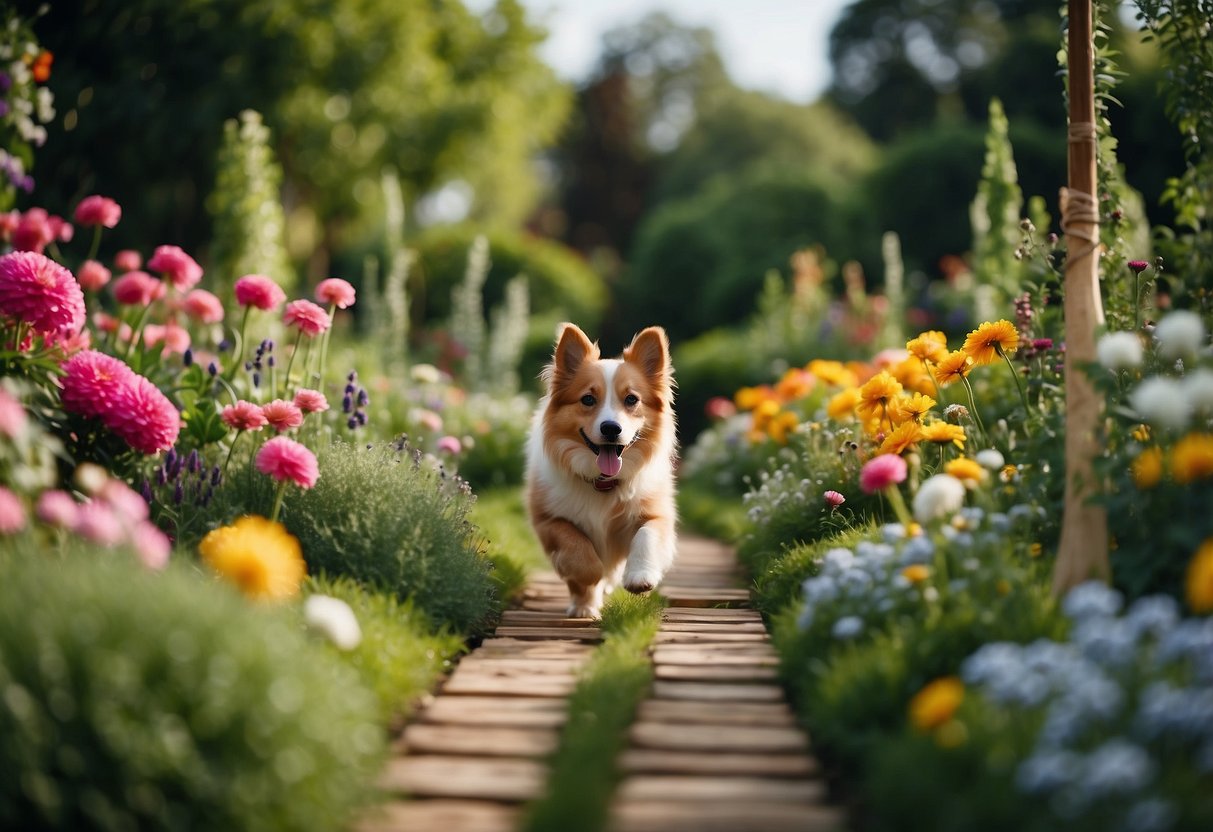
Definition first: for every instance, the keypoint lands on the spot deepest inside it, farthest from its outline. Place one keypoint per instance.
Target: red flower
(1138, 266)
(38, 291)
(336, 292)
(309, 318)
(286, 459)
(176, 266)
(259, 291)
(98, 210)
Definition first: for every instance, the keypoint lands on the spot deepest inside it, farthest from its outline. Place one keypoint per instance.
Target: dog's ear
(650, 350)
(573, 349)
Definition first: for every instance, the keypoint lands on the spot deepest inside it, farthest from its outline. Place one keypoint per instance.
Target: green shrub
(510, 542)
(139, 700)
(780, 584)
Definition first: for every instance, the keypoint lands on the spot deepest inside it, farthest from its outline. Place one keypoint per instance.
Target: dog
(600, 466)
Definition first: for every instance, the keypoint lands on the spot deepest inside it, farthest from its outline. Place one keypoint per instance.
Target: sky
(778, 46)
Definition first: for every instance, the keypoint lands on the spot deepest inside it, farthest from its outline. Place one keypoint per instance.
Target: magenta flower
(12, 512)
(336, 292)
(57, 508)
(13, 417)
(144, 416)
(98, 210)
(1138, 266)
(151, 545)
(203, 307)
(882, 471)
(90, 382)
(137, 289)
(450, 444)
(307, 317)
(61, 229)
(96, 522)
(124, 500)
(311, 401)
(176, 266)
(38, 291)
(833, 499)
(33, 231)
(93, 276)
(128, 260)
(282, 415)
(285, 460)
(259, 291)
(72, 342)
(243, 416)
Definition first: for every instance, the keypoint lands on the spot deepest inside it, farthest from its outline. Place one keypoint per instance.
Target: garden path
(714, 746)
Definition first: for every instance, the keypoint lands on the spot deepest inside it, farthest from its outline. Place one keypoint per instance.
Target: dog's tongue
(610, 461)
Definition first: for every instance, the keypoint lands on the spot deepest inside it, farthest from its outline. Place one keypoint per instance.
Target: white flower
(1119, 350)
(425, 374)
(334, 618)
(1162, 402)
(939, 496)
(1179, 334)
(990, 458)
(1198, 386)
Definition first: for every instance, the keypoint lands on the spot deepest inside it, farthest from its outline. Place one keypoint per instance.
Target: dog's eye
(588, 400)
(631, 400)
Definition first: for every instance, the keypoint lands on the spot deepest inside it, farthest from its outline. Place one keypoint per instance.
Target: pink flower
(879, 472)
(92, 275)
(96, 522)
(285, 459)
(833, 499)
(57, 508)
(176, 338)
(1138, 266)
(72, 342)
(143, 416)
(61, 229)
(137, 289)
(719, 407)
(282, 415)
(311, 401)
(336, 292)
(151, 545)
(9, 220)
(124, 500)
(203, 307)
(450, 444)
(91, 382)
(243, 416)
(309, 318)
(13, 417)
(153, 334)
(98, 210)
(38, 291)
(33, 231)
(108, 323)
(175, 265)
(128, 260)
(12, 512)
(259, 291)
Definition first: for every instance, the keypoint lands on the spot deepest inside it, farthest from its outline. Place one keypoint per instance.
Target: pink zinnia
(13, 417)
(833, 499)
(137, 289)
(175, 265)
(243, 416)
(882, 471)
(259, 291)
(12, 512)
(285, 459)
(309, 318)
(176, 338)
(33, 231)
(61, 229)
(203, 307)
(336, 292)
(38, 291)
(126, 501)
(96, 522)
(282, 415)
(128, 260)
(91, 382)
(93, 275)
(450, 444)
(57, 508)
(143, 416)
(151, 545)
(72, 342)
(98, 210)
(153, 334)
(311, 401)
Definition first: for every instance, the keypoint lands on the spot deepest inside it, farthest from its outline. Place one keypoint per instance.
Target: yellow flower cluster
(257, 555)
(1198, 585)
(936, 704)
(1190, 460)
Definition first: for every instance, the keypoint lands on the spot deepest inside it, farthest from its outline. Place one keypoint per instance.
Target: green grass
(780, 584)
(603, 705)
(704, 511)
(511, 545)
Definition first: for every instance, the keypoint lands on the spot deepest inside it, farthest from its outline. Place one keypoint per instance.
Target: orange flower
(941, 433)
(1192, 458)
(936, 703)
(781, 424)
(748, 398)
(875, 395)
(928, 346)
(968, 471)
(913, 376)
(1198, 583)
(904, 437)
(832, 372)
(41, 70)
(912, 408)
(1147, 468)
(795, 384)
(841, 405)
(991, 341)
(953, 367)
(916, 573)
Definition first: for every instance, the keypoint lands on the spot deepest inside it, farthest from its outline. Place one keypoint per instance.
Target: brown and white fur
(605, 523)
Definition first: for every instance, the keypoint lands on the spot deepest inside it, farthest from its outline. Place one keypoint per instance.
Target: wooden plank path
(714, 747)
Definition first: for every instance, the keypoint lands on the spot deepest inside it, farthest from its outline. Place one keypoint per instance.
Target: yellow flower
(968, 471)
(1192, 458)
(1036, 550)
(912, 407)
(941, 433)
(781, 425)
(832, 372)
(875, 395)
(935, 704)
(1147, 468)
(928, 346)
(841, 405)
(795, 384)
(903, 437)
(916, 573)
(1142, 433)
(1198, 586)
(1009, 473)
(257, 555)
(748, 398)
(991, 341)
(953, 367)
(913, 376)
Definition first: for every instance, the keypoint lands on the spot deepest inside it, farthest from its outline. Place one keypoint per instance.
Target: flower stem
(931, 374)
(893, 494)
(286, 382)
(278, 501)
(96, 244)
(231, 451)
(240, 346)
(1023, 397)
(973, 406)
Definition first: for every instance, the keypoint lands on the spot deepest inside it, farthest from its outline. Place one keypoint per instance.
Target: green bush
(139, 700)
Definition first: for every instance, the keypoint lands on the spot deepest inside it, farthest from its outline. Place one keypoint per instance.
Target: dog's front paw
(577, 610)
(640, 580)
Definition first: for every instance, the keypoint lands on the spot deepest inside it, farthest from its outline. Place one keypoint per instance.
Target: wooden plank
(711, 614)
(759, 655)
(501, 779)
(662, 816)
(544, 618)
(579, 633)
(503, 711)
(726, 738)
(479, 740)
(657, 761)
(538, 666)
(699, 627)
(450, 815)
(707, 691)
(498, 685)
(710, 673)
(708, 713)
(707, 789)
(520, 648)
(672, 637)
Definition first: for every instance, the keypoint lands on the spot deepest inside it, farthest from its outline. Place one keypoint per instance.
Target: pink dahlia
(306, 316)
(882, 471)
(143, 416)
(38, 291)
(13, 417)
(176, 266)
(126, 501)
(33, 231)
(833, 499)
(151, 545)
(311, 401)
(336, 292)
(91, 381)
(282, 415)
(72, 342)
(98, 210)
(92, 275)
(176, 338)
(203, 307)
(12, 512)
(285, 459)
(57, 508)
(97, 522)
(243, 416)
(128, 260)
(137, 289)
(259, 291)
(61, 229)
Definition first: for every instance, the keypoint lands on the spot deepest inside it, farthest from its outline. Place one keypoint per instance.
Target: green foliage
(164, 701)
(779, 579)
(710, 512)
(996, 211)
(29, 104)
(511, 544)
(246, 208)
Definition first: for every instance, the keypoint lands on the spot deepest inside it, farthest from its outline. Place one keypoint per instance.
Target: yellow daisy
(936, 703)
(841, 405)
(968, 471)
(1198, 584)
(916, 573)
(832, 372)
(991, 341)
(941, 433)
(953, 367)
(875, 395)
(927, 348)
(257, 555)
(1192, 458)
(1147, 468)
(912, 408)
(903, 437)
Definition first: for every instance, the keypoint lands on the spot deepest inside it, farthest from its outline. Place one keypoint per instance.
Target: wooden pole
(1083, 551)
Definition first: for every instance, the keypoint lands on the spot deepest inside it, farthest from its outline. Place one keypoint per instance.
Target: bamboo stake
(1083, 551)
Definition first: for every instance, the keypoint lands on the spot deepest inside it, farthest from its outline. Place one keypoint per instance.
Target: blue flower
(1150, 815)
(1047, 771)
(918, 549)
(848, 627)
(1092, 599)
(1115, 768)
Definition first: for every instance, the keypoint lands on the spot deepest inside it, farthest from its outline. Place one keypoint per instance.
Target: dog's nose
(610, 430)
